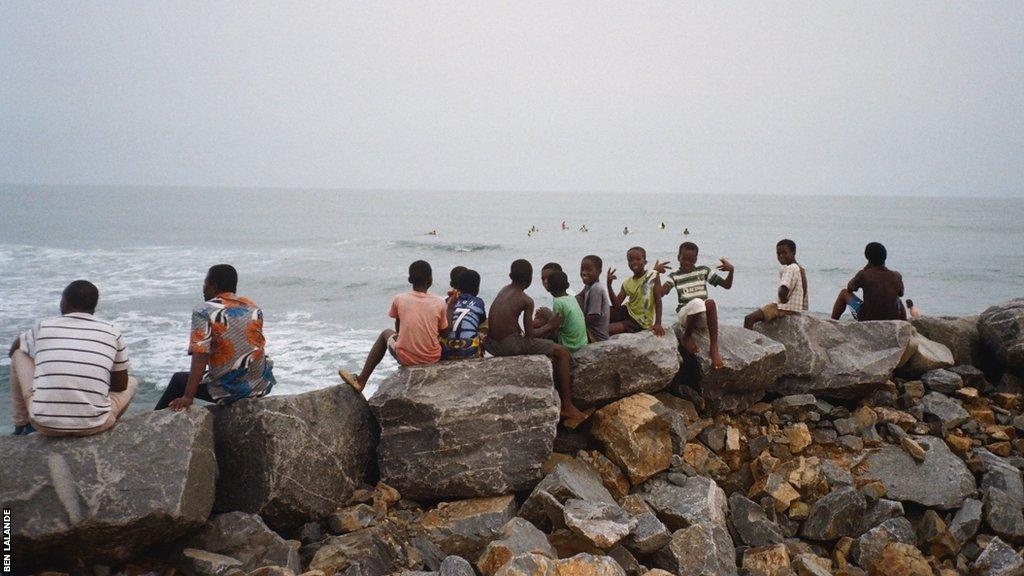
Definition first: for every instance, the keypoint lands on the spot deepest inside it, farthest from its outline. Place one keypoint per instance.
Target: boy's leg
(22, 372)
(176, 389)
(380, 348)
(842, 301)
(560, 360)
(712, 317)
(753, 318)
(693, 322)
(119, 401)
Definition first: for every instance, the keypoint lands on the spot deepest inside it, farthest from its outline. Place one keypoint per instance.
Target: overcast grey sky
(901, 98)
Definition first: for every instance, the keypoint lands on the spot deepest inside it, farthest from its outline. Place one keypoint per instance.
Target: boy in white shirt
(792, 297)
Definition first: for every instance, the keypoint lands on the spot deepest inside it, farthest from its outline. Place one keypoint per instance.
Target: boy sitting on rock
(420, 319)
(883, 290)
(792, 297)
(695, 309)
(466, 314)
(639, 292)
(593, 298)
(506, 338)
(566, 321)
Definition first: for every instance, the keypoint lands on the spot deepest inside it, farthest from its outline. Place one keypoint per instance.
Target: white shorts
(694, 307)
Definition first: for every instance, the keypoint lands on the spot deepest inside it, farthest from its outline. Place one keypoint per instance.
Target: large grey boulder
(246, 538)
(941, 481)
(466, 429)
(623, 365)
(752, 363)
(923, 355)
(836, 359)
(958, 333)
(1003, 496)
(695, 499)
(568, 480)
(108, 497)
(1002, 330)
(293, 459)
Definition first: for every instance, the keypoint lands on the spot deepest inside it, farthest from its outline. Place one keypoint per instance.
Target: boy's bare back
(510, 303)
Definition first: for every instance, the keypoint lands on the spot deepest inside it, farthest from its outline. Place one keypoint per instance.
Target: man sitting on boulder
(69, 374)
(226, 345)
(883, 290)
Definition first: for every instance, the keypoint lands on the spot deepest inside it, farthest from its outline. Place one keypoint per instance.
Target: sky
(850, 98)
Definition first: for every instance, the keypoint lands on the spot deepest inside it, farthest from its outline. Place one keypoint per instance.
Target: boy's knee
(709, 304)
(559, 352)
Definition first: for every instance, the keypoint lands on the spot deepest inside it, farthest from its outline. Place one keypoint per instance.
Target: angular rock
(959, 334)
(751, 523)
(601, 524)
(1003, 496)
(923, 355)
(456, 566)
(352, 518)
(293, 459)
(899, 559)
(944, 381)
(872, 543)
(588, 565)
(766, 560)
(967, 521)
(466, 429)
(838, 513)
(1002, 331)
(998, 559)
(807, 564)
(634, 436)
(649, 534)
(528, 565)
(836, 359)
(246, 538)
(700, 550)
(942, 409)
(374, 551)
(697, 500)
(464, 527)
(69, 496)
(752, 362)
(942, 481)
(933, 536)
(609, 472)
(623, 365)
(202, 563)
(517, 537)
(572, 479)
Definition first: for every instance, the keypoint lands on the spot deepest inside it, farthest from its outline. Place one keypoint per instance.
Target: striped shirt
(74, 355)
(693, 284)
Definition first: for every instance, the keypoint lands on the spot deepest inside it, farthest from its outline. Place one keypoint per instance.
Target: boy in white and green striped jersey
(696, 311)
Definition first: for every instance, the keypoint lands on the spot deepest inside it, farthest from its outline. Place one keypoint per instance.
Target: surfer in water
(686, 231)
(625, 231)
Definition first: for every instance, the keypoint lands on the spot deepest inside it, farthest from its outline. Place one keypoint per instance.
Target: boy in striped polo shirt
(695, 309)
(69, 374)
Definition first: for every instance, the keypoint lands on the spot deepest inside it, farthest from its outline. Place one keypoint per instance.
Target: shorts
(692, 308)
(519, 345)
(854, 305)
(621, 314)
(773, 312)
(392, 346)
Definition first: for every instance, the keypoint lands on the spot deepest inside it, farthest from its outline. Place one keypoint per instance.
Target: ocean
(325, 264)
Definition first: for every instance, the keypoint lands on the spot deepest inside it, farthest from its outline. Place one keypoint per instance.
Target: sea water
(324, 265)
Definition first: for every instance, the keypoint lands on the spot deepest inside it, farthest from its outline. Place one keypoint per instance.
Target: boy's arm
(783, 294)
(616, 299)
(855, 282)
(553, 325)
(528, 317)
(728, 268)
(658, 329)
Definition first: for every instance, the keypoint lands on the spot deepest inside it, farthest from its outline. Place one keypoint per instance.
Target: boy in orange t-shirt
(420, 318)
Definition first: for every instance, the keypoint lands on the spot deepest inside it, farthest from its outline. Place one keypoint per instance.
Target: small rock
(203, 563)
(611, 475)
(899, 559)
(1003, 496)
(913, 448)
(836, 514)
(765, 560)
(601, 524)
(934, 537)
(247, 538)
(943, 381)
(998, 559)
(798, 437)
(528, 565)
(456, 566)
(351, 519)
(872, 543)
(944, 410)
(751, 523)
(517, 537)
(967, 521)
(810, 565)
(697, 500)
(572, 479)
(649, 534)
(699, 550)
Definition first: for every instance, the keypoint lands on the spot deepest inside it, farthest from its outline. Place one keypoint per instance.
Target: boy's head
(546, 271)
(558, 283)
(688, 256)
(785, 251)
(590, 269)
(910, 303)
(636, 258)
(453, 276)
(468, 283)
(420, 275)
(220, 278)
(79, 296)
(521, 273)
(875, 253)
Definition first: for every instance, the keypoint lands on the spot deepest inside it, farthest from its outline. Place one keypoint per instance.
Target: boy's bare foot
(716, 360)
(691, 345)
(351, 379)
(574, 417)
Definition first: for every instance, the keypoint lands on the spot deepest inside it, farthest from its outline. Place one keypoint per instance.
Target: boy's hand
(658, 330)
(611, 275)
(661, 267)
(179, 404)
(725, 265)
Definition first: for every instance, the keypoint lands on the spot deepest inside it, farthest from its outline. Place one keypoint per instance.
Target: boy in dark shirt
(882, 288)
(507, 338)
(466, 313)
(594, 299)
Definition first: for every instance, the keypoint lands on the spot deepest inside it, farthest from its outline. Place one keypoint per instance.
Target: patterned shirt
(230, 329)
(792, 277)
(463, 339)
(693, 284)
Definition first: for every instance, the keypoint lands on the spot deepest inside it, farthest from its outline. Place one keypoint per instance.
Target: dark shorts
(621, 314)
(519, 345)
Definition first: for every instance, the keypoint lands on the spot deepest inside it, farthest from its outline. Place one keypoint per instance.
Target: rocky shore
(878, 448)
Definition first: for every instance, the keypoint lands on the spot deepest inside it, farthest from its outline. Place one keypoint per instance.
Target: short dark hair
(787, 242)
(638, 248)
(521, 271)
(224, 277)
(875, 253)
(81, 295)
(420, 273)
(551, 266)
(558, 281)
(689, 246)
(468, 282)
(595, 260)
(910, 302)
(453, 276)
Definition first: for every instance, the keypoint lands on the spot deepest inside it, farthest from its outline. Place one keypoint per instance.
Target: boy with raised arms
(696, 311)
(639, 292)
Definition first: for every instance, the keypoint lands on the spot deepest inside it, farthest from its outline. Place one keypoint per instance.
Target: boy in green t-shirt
(567, 322)
(640, 293)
